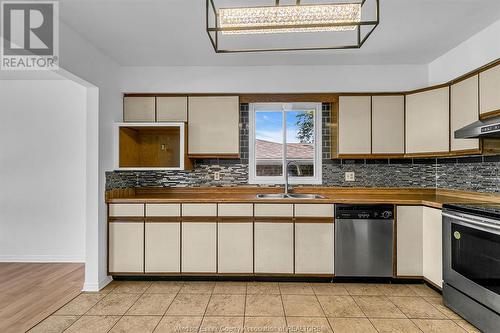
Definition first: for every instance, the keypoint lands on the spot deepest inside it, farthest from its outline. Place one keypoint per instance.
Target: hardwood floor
(29, 292)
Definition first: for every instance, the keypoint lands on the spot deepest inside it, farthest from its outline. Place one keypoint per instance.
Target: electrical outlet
(216, 175)
(350, 177)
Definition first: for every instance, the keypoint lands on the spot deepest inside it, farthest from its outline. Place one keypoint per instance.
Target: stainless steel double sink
(289, 196)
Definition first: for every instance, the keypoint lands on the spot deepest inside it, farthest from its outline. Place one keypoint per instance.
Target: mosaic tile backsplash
(477, 173)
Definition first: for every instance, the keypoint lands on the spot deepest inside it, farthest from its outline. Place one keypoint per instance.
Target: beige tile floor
(178, 307)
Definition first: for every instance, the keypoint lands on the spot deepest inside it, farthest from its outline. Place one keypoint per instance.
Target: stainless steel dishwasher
(364, 240)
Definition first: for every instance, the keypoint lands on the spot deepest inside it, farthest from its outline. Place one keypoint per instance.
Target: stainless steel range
(471, 263)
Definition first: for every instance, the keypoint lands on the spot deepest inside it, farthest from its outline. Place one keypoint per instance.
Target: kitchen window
(281, 134)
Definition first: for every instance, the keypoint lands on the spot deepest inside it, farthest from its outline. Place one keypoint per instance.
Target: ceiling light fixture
(336, 17)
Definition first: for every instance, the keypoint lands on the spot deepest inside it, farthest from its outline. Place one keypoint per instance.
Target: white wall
(273, 79)
(42, 171)
(82, 59)
(475, 52)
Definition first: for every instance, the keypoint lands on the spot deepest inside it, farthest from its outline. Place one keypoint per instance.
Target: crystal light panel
(282, 19)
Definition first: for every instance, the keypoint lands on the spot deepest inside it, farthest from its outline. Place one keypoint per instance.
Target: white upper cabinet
(464, 111)
(213, 125)
(354, 124)
(171, 108)
(139, 109)
(427, 121)
(489, 90)
(388, 124)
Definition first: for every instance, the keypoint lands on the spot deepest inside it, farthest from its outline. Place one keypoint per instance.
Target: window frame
(318, 153)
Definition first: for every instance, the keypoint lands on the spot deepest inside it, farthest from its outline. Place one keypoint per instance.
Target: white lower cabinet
(432, 245)
(126, 247)
(314, 248)
(419, 243)
(409, 227)
(235, 247)
(274, 247)
(199, 247)
(162, 246)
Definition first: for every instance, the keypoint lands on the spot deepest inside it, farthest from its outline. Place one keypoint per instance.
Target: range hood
(487, 128)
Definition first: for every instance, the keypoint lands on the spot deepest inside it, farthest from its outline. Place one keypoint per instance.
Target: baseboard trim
(95, 287)
(42, 259)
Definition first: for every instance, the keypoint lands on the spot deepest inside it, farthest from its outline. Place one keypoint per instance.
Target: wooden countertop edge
(425, 197)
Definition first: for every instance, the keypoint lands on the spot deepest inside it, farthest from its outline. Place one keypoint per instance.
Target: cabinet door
(489, 83)
(199, 247)
(388, 124)
(432, 246)
(274, 247)
(139, 109)
(409, 240)
(163, 246)
(314, 248)
(126, 247)
(171, 108)
(464, 111)
(427, 122)
(235, 247)
(213, 126)
(354, 125)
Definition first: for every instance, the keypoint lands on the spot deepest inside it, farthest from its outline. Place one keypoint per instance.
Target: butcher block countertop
(426, 197)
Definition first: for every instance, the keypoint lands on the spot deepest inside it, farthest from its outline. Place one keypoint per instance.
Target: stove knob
(387, 214)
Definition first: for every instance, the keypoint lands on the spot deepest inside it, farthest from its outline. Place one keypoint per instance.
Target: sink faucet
(299, 172)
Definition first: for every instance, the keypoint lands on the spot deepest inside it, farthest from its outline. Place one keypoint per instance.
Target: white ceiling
(172, 33)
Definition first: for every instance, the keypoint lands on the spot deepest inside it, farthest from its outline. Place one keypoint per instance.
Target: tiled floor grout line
(283, 306)
(397, 307)
(140, 295)
(435, 307)
(168, 307)
(84, 314)
(80, 316)
(206, 308)
(298, 292)
(323, 310)
(354, 300)
(245, 307)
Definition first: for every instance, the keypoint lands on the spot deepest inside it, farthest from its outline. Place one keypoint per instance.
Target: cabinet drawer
(163, 210)
(138, 109)
(274, 210)
(199, 209)
(314, 210)
(235, 210)
(124, 210)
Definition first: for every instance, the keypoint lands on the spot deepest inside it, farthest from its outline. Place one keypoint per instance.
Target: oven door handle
(473, 222)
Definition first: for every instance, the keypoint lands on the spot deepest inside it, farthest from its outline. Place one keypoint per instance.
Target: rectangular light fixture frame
(213, 30)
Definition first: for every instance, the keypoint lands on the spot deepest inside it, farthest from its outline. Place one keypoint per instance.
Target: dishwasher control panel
(364, 212)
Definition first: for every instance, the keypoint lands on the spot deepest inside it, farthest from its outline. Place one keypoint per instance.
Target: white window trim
(318, 128)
